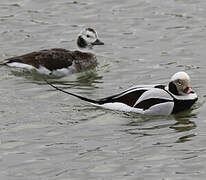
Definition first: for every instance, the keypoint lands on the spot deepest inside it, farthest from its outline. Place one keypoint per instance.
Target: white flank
(158, 109)
(63, 71)
(43, 70)
(21, 65)
(117, 106)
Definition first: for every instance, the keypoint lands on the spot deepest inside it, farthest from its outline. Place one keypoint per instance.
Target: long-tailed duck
(51, 61)
(150, 99)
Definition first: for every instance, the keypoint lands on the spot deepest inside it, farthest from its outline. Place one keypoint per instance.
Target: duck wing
(128, 97)
(155, 101)
(51, 59)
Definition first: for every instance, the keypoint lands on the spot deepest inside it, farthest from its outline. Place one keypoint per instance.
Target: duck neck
(86, 50)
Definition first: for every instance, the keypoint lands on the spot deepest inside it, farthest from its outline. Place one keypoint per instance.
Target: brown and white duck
(155, 99)
(60, 61)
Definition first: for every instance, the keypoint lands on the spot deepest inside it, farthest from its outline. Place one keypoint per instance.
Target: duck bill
(188, 90)
(97, 42)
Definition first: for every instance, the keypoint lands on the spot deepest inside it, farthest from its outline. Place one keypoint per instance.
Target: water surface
(45, 134)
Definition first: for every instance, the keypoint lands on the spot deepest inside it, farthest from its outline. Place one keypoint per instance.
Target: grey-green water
(45, 134)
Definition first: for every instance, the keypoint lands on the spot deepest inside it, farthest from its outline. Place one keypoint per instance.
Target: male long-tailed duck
(52, 61)
(150, 99)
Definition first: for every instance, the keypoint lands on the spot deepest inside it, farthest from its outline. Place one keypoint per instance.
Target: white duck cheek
(90, 40)
(87, 39)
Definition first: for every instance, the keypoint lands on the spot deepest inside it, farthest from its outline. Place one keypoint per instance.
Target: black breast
(182, 105)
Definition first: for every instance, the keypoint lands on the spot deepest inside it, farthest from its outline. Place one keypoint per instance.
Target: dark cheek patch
(173, 88)
(81, 42)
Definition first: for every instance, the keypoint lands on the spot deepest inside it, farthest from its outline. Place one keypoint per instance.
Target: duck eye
(179, 83)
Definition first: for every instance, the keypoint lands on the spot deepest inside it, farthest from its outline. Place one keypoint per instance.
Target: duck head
(88, 38)
(180, 84)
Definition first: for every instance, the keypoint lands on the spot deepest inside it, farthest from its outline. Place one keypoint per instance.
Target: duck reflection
(157, 125)
(87, 79)
(184, 124)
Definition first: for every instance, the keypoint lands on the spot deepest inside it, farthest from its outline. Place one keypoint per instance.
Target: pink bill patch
(189, 90)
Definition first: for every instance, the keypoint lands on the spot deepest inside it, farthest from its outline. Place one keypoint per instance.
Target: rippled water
(45, 134)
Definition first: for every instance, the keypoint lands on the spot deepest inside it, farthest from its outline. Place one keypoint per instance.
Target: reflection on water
(183, 122)
(161, 125)
(45, 135)
(85, 79)
(185, 138)
(89, 78)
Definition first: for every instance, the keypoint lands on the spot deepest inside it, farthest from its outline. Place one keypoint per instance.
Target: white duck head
(88, 38)
(180, 84)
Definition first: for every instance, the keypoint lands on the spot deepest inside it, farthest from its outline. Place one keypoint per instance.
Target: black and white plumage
(150, 99)
(60, 61)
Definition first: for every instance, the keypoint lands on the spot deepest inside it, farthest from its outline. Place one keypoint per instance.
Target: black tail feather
(72, 94)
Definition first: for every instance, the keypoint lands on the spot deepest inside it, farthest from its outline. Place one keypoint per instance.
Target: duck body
(54, 60)
(157, 99)
(148, 99)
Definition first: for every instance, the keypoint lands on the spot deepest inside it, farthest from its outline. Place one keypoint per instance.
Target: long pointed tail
(72, 94)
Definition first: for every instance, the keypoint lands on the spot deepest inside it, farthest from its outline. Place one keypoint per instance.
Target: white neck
(183, 97)
(87, 49)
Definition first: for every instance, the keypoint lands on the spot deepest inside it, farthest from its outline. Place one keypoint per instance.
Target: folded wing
(51, 59)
